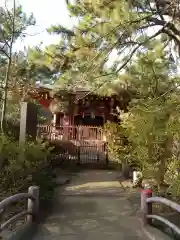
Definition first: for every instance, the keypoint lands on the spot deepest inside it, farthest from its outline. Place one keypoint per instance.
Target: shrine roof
(47, 88)
(79, 91)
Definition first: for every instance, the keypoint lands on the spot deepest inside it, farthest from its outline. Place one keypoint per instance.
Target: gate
(83, 145)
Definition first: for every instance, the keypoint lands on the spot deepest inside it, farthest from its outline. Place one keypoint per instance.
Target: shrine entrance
(88, 120)
(82, 145)
(92, 145)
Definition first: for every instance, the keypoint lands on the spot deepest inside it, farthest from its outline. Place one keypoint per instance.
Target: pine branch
(124, 64)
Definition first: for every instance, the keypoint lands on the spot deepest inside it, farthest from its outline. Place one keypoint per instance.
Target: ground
(94, 205)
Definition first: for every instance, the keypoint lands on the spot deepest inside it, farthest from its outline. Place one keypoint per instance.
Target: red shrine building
(79, 107)
(76, 119)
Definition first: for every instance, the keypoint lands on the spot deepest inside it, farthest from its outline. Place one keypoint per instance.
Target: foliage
(117, 143)
(22, 22)
(152, 122)
(115, 44)
(127, 44)
(24, 166)
(106, 38)
(13, 23)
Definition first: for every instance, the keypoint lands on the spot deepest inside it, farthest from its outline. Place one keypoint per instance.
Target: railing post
(33, 205)
(78, 155)
(97, 149)
(106, 153)
(146, 208)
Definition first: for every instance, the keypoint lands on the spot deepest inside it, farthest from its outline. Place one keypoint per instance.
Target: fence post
(106, 153)
(78, 155)
(146, 208)
(33, 205)
(97, 149)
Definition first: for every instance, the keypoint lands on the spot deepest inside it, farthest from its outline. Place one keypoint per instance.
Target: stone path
(93, 206)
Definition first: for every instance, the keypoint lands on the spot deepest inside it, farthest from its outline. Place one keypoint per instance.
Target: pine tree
(105, 28)
(13, 23)
(151, 124)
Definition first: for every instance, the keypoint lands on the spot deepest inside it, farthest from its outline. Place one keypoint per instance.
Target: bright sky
(46, 13)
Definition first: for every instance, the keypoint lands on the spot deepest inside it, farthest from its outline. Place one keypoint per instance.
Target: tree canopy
(13, 23)
(108, 36)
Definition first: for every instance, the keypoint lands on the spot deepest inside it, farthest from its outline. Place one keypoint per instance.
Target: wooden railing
(146, 207)
(32, 207)
(60, 132)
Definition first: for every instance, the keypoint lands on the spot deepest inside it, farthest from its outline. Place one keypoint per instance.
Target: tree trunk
(6, 80)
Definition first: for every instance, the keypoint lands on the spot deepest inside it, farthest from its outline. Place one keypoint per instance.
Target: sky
(46, 13)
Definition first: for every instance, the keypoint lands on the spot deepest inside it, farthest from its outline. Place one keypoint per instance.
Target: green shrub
(119, 148)
(143, 152)
(23, 166)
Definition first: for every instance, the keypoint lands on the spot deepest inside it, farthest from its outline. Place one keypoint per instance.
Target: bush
(129, 143)
(23, 166)
(119, 148)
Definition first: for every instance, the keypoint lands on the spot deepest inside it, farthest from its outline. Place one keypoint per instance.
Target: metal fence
(76, 144)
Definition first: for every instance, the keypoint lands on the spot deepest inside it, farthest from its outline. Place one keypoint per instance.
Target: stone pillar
(137, 176)
(28, 121)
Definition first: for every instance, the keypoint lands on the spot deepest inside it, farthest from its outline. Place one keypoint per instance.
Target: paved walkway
(93, 206)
